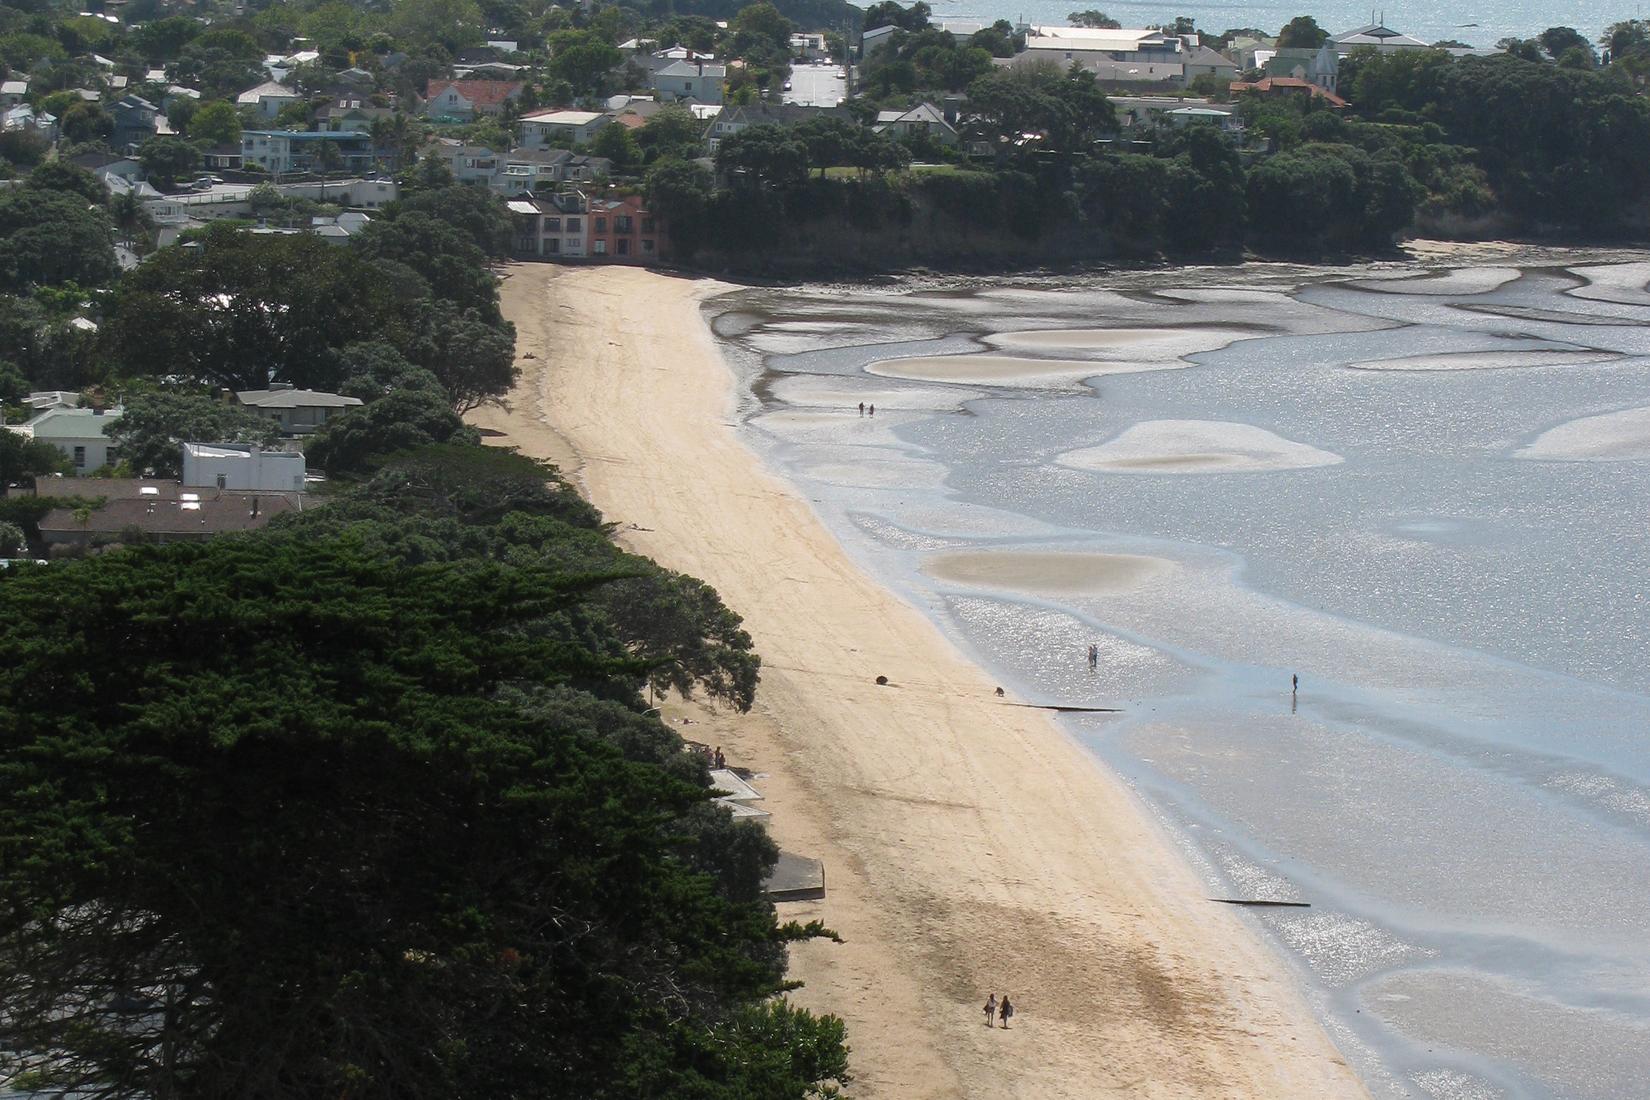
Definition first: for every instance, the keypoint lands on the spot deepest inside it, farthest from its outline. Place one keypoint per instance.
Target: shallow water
(1423, 491)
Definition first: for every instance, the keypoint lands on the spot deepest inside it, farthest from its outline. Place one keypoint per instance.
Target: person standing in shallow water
(1005, 1011)
(990, 1008)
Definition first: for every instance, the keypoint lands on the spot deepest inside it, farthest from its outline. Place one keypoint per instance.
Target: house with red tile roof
(465, 99)
(1287, 85)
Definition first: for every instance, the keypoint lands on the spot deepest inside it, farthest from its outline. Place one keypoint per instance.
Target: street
(816, 85)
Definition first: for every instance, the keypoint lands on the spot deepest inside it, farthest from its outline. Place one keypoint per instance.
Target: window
(601, 225)
(647, 246)
(600, 248)
(623, 224)
(552, 225)
(79, 457)
(552, 245)
(572, 225)
(623, 246)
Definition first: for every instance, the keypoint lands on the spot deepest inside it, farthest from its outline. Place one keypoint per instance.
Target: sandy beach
(970, 846)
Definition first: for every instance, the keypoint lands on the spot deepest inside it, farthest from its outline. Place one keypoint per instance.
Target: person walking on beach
(1005, 1011)
(1094, 657)
(873, 410)
(1294, 684)
(990, 1008)
(862, 408)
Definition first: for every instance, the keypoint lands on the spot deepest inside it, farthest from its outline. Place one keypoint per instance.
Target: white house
(78, 433)
(561, 128)
(238, 467)
(268, 98)
(298, 412)
(12, 92)
(693, 80)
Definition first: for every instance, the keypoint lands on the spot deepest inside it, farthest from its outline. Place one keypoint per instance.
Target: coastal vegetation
(369, 804)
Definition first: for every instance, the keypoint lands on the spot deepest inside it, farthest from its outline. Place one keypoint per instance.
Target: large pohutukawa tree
(296, 814)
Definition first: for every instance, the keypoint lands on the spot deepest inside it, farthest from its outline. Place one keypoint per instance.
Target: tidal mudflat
(1420, 489)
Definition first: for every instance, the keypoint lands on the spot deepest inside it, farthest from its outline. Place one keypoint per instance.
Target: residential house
(24, 117)
(349, 114)
(493, 70)
(242, 467)
(474, 164)
(1286, 85)
(136, 121)
(13, 92)
(537, 171)
(268, 99)
(1227, 120)
(924, 118)
(553, 226)
(1377, 37)
(1202, 61)
(733, 119)
(280, 151)
(190, 517)
(466, 99)
(1320, 66)
(41, 400)
(298, 412)
(561, 127)
(358, 79)
(77, 432)
(219, 158)
(623, 230)
(104, 165)
(693, 80)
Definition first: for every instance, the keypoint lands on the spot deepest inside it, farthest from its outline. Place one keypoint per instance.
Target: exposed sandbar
(1488, 360)
(1047, 573)
(1006, 370)
(1607, 437)
(1197, 447)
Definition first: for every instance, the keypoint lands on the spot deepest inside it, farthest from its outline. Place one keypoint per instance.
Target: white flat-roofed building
(241, 467)
(561, 128)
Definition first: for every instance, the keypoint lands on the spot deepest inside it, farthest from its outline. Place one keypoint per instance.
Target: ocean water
(1477, 22)
(1424, 491)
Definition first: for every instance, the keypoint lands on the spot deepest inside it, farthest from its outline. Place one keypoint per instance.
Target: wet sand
(970, 847)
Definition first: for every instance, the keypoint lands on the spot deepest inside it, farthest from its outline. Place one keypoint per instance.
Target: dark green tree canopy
(53, 237)
(367, 804)
(153, 427)
(242, 310)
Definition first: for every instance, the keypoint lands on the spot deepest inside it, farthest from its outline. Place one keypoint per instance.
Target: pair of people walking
(1002, 1010)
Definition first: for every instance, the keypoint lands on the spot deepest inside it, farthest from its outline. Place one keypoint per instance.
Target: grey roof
(214, 513)
(293, 399)
(690, 68)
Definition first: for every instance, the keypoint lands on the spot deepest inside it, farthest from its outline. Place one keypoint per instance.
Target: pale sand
(1468, 280)
(1604, 438)
(1163, 343)
(1625, 284)
(969, 846)
(1489, 360)
(1006, 370)
(1047, 573)
(1197, 447)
